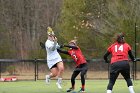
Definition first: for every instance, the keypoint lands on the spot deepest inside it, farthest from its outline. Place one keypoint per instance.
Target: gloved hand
(134, 60)
(42, 45)
(107, 61)
(61, 46)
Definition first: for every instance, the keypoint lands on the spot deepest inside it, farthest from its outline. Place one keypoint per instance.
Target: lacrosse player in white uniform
(54, 60)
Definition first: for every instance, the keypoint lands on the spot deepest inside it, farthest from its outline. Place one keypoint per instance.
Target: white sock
(109, 91)
(47, 76)
(131, 90)
(59, 80)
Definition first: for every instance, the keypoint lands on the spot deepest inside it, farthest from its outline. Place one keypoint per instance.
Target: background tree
(23, 24)
(95, 22)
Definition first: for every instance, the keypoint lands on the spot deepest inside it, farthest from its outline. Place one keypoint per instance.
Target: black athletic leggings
(116, 68)
(81, 68)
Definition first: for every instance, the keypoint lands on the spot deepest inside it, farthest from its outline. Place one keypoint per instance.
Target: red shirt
(77, 56)
(119, 52)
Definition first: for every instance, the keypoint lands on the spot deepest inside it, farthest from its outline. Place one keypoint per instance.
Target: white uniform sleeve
(57, 46)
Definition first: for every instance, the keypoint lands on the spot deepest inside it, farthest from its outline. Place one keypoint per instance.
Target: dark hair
(120, 38)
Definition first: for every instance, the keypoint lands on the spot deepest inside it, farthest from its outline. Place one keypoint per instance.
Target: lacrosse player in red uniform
(119, 62)
(81, 64)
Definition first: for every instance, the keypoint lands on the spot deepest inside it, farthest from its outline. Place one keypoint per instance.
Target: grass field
(92, 86)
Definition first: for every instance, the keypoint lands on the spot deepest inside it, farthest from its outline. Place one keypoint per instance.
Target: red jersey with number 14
(119, 52)
(77, 56)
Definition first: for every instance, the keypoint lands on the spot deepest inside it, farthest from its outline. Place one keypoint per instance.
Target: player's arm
(54, 46)
(131, 55)
(105, 56)
(73, 47)
(62, 51)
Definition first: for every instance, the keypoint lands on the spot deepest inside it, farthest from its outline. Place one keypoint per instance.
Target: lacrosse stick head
(50, 31)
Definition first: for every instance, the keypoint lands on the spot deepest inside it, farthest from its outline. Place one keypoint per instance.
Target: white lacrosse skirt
(51, 63)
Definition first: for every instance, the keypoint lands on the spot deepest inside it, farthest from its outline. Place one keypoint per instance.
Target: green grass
(92, 86)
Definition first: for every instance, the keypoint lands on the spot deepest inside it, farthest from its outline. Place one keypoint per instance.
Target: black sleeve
(42, 45)
(105, 56)
(62, 51)
(131, 55)
(73, 47)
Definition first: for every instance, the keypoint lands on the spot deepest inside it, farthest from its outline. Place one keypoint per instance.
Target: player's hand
(54, 39)
(42, 45)
(135, 60)
(106, 61)
(61, 46)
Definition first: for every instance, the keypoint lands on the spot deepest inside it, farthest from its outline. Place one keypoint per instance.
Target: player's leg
(112, 80)
(74, 75)
(126, 74)
(53, 73)
(60, 67)
(83, 73)
(60, 70)
(114, 72)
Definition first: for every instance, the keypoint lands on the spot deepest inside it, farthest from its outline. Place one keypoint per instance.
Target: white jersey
(53, 56)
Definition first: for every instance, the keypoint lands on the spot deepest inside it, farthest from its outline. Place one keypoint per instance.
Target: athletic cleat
(58, 85)
(47, 79)
(82, 90)
(70, 90)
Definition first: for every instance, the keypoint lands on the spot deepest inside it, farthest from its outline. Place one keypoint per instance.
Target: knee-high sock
(131, 90)
(109, 91)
